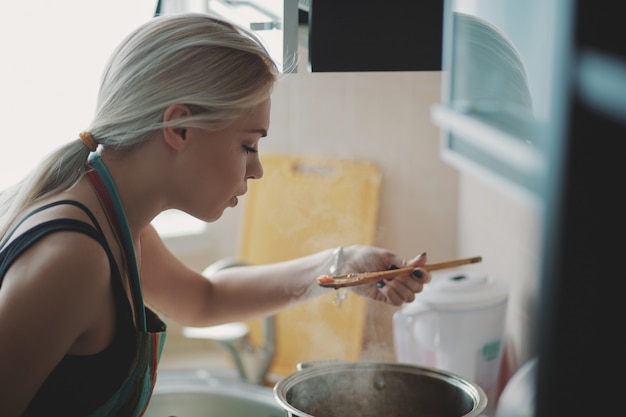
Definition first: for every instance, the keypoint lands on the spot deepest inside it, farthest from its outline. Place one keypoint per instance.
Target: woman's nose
(255, 169)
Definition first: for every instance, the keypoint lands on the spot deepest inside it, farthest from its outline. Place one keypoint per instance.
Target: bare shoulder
(64, 258)
(63, 265)
(65, 268)
(61, 284)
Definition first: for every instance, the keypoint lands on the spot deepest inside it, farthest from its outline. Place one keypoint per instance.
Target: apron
(133, 396)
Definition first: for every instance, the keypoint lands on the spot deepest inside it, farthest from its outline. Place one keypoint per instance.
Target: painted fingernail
(381, 284)
(418, 257)
(417, 273)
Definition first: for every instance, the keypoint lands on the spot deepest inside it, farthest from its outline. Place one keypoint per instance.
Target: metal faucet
(252, 362)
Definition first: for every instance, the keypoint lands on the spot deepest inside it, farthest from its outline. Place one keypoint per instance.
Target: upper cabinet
(357, 35)
(344, 35)
(503, 89)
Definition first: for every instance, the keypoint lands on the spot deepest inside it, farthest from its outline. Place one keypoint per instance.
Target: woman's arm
(241, 293)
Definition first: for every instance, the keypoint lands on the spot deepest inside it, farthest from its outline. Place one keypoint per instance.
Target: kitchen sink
(206, 393)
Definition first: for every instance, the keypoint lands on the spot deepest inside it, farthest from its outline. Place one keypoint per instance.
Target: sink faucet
(252, 363)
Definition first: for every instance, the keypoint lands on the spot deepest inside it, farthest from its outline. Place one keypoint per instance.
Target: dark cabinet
(357, 35)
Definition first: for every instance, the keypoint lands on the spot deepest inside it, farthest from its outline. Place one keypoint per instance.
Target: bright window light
(53, 53)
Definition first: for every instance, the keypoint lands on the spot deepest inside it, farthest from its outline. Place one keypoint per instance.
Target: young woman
(183, 104)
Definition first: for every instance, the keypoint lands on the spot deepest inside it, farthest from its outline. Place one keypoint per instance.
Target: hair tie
(88, 141)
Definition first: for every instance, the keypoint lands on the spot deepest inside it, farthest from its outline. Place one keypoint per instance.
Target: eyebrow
(262, 132)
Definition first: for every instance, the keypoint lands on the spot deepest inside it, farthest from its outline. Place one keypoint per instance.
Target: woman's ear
(175, 136)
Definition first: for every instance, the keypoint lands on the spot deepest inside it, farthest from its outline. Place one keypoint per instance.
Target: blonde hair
(218, 69)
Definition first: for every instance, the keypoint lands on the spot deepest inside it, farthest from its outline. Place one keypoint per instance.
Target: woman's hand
(394, 291)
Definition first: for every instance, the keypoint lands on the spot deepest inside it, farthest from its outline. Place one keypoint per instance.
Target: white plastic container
(457, 325)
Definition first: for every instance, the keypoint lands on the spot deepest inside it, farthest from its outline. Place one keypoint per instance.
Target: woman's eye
(249, 149)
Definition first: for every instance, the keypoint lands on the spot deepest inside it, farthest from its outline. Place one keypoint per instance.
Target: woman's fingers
(402, 289)
(394, 291)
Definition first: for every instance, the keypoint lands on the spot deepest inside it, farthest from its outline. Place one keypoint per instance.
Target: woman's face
(219, 164)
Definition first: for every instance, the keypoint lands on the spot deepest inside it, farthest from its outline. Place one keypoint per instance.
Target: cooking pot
(375, 389)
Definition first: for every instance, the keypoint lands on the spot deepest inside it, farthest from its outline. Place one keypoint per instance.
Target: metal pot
(374, 389)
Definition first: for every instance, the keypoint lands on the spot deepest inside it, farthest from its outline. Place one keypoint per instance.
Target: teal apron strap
(110, 199)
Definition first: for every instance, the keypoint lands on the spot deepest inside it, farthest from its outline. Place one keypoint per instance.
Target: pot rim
(282, 387)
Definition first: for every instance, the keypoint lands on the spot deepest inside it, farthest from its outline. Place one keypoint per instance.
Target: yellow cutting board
(304, 204)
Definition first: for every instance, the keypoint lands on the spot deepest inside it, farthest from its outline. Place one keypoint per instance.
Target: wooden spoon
(352, 279)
